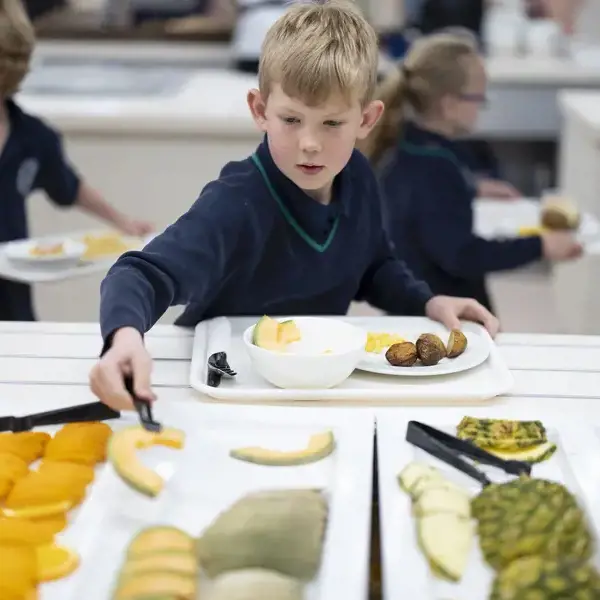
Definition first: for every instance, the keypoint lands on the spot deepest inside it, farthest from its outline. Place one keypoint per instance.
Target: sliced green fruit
(443, 499)
(415, 472)
(533, 454)
(319, 446)
(446, 540)
(280, 530)
(255, 584)
(423, 485)
(266, 334)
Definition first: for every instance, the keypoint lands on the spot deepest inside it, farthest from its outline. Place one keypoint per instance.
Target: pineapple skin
(530, 517)
(541, 578)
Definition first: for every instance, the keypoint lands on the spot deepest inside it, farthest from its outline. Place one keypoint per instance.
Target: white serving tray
(202, 480)
(490, 379)
(401, 555)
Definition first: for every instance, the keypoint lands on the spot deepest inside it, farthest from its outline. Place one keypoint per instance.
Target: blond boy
(296, 228)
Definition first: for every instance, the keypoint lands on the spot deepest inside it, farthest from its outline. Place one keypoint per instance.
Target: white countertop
(537, 70)
(47, 364)
(213, 100)
(582, 105)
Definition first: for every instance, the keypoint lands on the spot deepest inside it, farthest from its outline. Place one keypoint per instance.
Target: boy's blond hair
(17, 40)
(316, 50)
(433, 68)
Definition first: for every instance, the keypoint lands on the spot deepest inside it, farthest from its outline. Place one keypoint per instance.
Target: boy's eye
(290, 120)
(333, 123)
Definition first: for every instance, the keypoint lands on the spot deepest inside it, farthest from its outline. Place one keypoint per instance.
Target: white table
(47, 364)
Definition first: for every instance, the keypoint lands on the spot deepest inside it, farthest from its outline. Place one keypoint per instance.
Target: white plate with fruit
(416, 353)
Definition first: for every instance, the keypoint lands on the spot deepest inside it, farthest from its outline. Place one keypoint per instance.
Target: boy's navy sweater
(429, 196)
(254, 243)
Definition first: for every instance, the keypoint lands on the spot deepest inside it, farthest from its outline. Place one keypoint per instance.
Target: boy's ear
(257, 108)
(371, 114)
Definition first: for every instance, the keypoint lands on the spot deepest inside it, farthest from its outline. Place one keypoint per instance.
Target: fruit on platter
(526, 441)
(279, 530)
(530, 517)
(160, 563)
(255, 584)
(123, 455)
(445, 530)
(319, 446)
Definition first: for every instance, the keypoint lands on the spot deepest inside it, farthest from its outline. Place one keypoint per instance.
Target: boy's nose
(309, 144)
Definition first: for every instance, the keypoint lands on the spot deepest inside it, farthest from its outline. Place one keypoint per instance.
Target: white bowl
(21, 252)
(328, 352)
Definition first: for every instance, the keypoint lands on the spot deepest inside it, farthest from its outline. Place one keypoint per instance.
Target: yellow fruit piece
(123, 455)
(55, 562)
(531, 231)
(28, 445)
(377, 341)
(319, 446)
(38, 512)
(17, 571)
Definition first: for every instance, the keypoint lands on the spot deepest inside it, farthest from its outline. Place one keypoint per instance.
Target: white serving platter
(484, 382)
(406, 573)
(202, 480)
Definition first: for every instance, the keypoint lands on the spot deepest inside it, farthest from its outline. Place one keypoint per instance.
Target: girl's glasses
(478, 98)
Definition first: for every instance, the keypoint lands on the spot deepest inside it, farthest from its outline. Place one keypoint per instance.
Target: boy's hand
(449, 311)
(560, 245)
(127, 356)
(498, 190)
(135, 228)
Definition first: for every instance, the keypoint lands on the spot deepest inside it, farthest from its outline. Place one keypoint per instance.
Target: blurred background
(150, 98)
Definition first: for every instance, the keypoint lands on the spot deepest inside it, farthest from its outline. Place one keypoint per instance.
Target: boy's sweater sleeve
(187, 261)
(445, 222)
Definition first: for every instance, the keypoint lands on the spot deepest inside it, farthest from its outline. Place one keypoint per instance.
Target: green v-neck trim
(290, 218)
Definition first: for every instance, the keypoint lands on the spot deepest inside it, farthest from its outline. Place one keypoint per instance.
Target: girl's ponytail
(392, 92)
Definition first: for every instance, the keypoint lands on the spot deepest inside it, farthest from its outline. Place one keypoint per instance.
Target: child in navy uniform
(296, 228)
(428, 189)
(32, 158)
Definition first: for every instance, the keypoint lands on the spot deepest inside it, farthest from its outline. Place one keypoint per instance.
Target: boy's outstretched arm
(185, 263)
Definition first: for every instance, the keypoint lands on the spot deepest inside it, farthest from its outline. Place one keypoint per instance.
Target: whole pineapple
(537, 577)
(530, 517)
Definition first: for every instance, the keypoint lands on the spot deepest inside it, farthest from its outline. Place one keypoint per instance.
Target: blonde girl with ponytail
(432, 100)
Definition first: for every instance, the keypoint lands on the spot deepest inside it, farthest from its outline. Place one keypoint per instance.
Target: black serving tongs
(94, 411)
(143, 408)
(449, 449)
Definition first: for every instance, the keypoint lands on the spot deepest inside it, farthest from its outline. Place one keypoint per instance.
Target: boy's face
(311, 145)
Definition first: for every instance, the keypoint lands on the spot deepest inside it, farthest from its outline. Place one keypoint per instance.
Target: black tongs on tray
(450, 449)
(93, 411)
